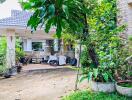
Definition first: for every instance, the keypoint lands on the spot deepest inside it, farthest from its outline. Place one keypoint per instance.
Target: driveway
(38, 86)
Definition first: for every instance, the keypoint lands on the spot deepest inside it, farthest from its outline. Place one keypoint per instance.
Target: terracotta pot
(127, 91)
(103, 86)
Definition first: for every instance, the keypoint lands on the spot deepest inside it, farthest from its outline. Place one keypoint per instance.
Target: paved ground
(41, 86)
(40, 66)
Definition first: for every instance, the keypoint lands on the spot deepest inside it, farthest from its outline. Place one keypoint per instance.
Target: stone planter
(127, 91)
(103, 87)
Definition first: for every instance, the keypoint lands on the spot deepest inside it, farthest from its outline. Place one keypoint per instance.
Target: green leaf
(65, 9)
(27, 5)
(59, 27)
(82, 78)
(95, 73)
(51, 9)
(105, 76)
(48, 25)
(90, 74)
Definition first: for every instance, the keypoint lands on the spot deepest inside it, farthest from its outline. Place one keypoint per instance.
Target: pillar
(29, 44)
(56, 44)
(11, 39)
(25, 45)
(45, 46)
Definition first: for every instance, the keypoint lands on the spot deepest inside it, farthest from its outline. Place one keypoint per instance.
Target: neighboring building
(125, 15)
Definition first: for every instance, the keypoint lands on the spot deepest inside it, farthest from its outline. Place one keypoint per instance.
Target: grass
(87, 95)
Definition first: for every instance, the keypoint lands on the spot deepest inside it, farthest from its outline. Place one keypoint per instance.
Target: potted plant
(124, 84)
(124, 73)
(124, 87)
(101, 78)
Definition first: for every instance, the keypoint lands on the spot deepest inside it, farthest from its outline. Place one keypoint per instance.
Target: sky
(7, 6)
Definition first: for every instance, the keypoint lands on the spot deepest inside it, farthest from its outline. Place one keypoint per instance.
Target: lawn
(87, 95)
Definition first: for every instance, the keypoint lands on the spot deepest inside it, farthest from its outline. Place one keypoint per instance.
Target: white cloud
(6, 7)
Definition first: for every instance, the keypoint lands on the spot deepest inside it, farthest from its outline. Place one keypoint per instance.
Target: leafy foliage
(3, 47)
(104, 35)
(125, 71)
(55, 13)
(19, 51)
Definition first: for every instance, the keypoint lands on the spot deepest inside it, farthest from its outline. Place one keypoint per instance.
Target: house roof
(18, 23)
(18, 18)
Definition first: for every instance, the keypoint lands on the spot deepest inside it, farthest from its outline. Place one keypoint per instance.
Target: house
(36, 43)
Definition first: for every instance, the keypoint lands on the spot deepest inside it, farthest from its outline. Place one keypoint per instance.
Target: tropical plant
(3, 47)
(124, 72)
(54, 13)
(19, 51)
(104, 34)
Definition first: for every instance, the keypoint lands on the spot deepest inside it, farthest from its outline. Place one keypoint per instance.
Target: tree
(60, 13)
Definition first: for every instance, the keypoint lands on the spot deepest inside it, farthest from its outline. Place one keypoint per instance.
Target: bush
(87, 95)
(3, 46)
(19, 54)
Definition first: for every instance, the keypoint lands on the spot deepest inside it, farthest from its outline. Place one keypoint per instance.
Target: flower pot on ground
(101, 79)
(124, 84)
(124, 88)
(102, 86)
(102, 76)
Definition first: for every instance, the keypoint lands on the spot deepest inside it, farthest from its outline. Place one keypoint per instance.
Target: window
(37, 46)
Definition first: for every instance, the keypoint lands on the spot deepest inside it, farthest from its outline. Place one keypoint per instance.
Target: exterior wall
(125, 15)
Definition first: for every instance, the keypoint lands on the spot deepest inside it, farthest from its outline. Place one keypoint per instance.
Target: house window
(37, 46)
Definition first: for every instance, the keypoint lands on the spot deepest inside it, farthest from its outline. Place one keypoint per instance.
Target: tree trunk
(91, 50)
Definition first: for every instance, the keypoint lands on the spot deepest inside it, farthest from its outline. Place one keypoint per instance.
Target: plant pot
(124, 90)
(103, 87)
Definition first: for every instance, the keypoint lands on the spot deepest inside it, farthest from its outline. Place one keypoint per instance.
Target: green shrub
(3, 47)
(104, 36)
(19, 54)
(19, 51)
(87, 95)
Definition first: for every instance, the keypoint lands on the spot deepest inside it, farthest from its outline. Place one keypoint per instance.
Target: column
(11, 39)
(56, 44)
(29, 44)
(45, 46)
(25, 45)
